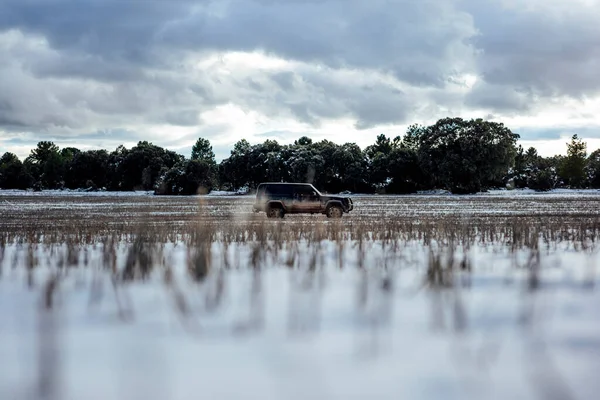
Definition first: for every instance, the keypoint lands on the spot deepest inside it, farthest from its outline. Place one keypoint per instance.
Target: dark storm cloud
(369, 101)
(75, 65)
(407, 38)
(502, 99)
(7, 119)
(402, 37)
(123, 42)
(104, 63)
(119, 31)
(12, 124)
(305, 112)
(545, 48)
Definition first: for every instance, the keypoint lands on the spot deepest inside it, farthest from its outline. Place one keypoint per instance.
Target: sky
(101, 73)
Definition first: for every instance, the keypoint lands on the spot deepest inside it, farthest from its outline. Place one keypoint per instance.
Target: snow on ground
(74, 193)
(220, 193)
(303, 335)
(553, 192)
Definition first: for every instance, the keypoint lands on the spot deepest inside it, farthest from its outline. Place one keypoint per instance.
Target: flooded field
(133, 296)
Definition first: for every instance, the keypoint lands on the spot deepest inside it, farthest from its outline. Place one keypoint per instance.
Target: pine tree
(572, 168)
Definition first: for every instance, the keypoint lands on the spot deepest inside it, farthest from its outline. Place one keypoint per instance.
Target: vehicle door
(280, 193)
(287, 198)
(306, 200)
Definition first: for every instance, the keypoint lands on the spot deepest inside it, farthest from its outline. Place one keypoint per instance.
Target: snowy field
(431, 296)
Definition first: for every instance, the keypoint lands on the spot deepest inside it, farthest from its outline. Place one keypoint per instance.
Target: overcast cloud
(99, 73)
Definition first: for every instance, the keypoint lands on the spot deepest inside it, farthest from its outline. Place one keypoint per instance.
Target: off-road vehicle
(278, 199)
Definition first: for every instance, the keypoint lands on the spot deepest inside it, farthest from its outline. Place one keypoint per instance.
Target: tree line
(462, 156)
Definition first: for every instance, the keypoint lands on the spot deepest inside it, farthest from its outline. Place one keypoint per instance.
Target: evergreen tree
(203, 151)
(593, 169)
(12, 173)
(46, 165)
(572, 168)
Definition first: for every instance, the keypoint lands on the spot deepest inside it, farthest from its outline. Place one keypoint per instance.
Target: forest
(454, 154)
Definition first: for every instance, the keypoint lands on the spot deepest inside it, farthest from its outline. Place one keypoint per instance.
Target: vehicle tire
(275, 212)
(334, 212)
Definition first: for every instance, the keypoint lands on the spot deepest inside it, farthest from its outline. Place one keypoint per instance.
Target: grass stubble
(216, 242)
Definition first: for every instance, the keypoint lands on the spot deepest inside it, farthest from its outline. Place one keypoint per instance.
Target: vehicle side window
(278, 190)
(287, 190)
(303, 191)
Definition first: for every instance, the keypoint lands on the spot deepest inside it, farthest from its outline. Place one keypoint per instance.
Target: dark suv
(278, 199)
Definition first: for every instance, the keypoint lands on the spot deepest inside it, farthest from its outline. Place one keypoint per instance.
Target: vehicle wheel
(275, 212)
(335, 212)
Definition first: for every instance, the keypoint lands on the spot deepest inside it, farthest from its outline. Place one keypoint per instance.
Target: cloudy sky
(99, 73)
